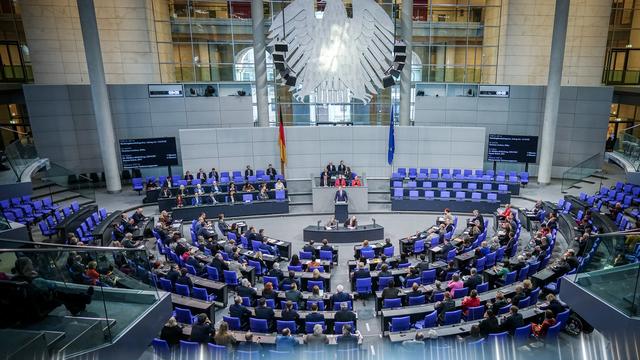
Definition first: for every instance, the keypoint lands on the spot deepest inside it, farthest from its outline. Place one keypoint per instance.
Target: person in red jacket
(356, 181)
(340, 181)
(470, 301)
(505, 214)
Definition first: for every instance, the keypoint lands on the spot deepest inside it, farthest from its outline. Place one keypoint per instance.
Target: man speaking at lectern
(341, 195)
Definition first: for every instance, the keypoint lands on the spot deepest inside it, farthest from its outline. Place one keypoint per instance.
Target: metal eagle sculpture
(335, 56)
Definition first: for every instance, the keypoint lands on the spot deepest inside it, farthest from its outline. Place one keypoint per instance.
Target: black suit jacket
(340, 297)
(341, 196)
(201, 333)
(342, 168)
(331, 169)
(314, 317)
(511, 323)
(240, 312)
(266, 313)
(344, 316)
(271, 172)
(214, 174)
(248, 172)
(473, 281)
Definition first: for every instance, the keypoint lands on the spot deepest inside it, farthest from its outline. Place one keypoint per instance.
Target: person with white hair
(340, 295)
(276, 272)
(317, 339)
(344, 314)
(245, 290)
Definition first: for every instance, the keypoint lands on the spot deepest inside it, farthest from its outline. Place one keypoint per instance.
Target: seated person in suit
(248, 172)
(366, 246)
(473, 279)
(168, 182)
(165, 192)
(344, 314)
(331, 169)
(513, 321)
(489, 325)
(248, 187)
(293, 294)
(202, 331)
(245, 290)
(348, 175)
(361, 272)
(348, 340)
(188, 177)
(314, 316)
(325, 178)
(239, 311)
(271, 172)
(138, 216)
(309, 247)
(214, 174)
(340, 295)
(351, 222)
(289, 313)
(290, 280)
(276, 272)
(391, 292)
(447, 304)
(266, 313)
(325, 245)
(201, 175)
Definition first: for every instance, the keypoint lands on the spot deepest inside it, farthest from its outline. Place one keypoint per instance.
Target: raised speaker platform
(344, 235)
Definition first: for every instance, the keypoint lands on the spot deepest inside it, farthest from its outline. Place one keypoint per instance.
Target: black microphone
(374, 222)
(319, 221)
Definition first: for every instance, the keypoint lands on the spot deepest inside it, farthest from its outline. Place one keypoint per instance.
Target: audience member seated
(540, 330)
(317, 339)
(293, 294)
(513, 321)
(202, 331)
(447, 304)
(340, 295)
(285, 342)
(237, 310)
(171, 332)
(489, 325)
(249, 345)
(266, 313)
(348, 340)
(351, 223)
(223, 337)
(470, 301)
(344, 314)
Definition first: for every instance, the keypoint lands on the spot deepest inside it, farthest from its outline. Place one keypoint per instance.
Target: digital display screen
(145, 153)
(512, 148)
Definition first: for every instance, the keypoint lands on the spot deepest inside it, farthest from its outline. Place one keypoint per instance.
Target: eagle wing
(298, 32)
(372, 31)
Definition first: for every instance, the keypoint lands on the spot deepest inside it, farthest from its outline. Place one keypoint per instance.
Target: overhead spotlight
(281, 47)
(388, 81)
(279, 57)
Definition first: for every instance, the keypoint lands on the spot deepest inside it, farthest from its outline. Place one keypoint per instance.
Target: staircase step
(46, 191)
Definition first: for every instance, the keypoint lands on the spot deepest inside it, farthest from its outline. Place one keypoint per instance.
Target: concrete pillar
(553, 91)
(406, 21)
(260, 66)
(99, 94)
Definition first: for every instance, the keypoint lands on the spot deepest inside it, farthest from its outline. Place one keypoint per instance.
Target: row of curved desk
(344, 235)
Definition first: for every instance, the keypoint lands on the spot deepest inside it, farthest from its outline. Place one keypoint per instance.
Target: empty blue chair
(438, 296)
(475, 313)
(484, 287)
(160, 349)
(445, 194)
(326, 255)
(137, 184)
(417, 300)
(233, 322)
(258, 325)
(498, 337)
(201, 293)
(503, 188)
(522, 334)
(280, 195)
(429, 194)
(398, 193)
(191, 269)
(493, 197)
(184, 316)
(428, 277)
(522, 275)
(414, 195)
(452, 317)
(182, 290)
(392, 303)
(230, 277)
(212, 273)
(166, 285)
(563, 317)
(291, 325)
(418, 246)
(460, 293)
(504, 309)
(509, 278)
(400, 324)
(523, 303)
(476, 196)
(363, 286)
(460, 195)
(388, 251)
(368, 254)
(411, 184)
(553, 331)
(189, 349)
(294, 268)
(217, 351)
(457, 185)
(487, 187)
(430, 320)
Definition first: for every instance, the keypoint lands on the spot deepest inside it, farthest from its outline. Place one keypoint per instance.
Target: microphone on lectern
(319, 221)
(374, 221)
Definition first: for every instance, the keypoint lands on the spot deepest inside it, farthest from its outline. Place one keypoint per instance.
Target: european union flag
(392, 139)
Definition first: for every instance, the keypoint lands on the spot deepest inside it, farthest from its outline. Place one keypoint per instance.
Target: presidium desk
(344, 235)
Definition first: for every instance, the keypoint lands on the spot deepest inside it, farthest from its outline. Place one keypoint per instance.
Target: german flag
(281, 139)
